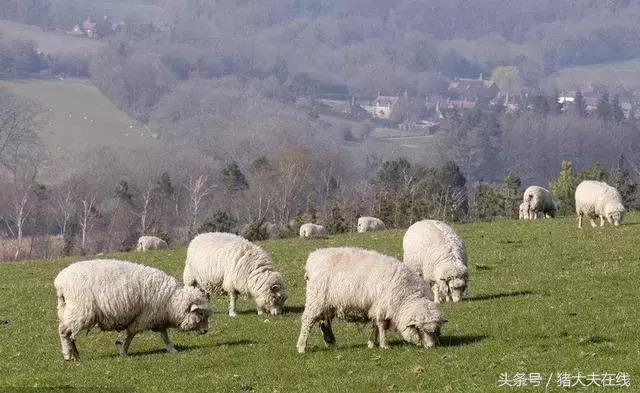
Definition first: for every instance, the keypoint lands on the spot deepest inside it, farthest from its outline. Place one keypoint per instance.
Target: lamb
(539, 200)
(358, 285)
(523, 212)
(369, 224)
(598, 199)
(146, 243)
(310, 230)
(119, 295)
(438, 254)
(229, 262)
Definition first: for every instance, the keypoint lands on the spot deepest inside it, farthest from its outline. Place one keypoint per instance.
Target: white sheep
(522, 212)
(598, 199)
(119, 295)
(229, 262)
(146, 243)
(358, 285)
(539, 200)
(369, 224)
(310, 230)
(438, 254)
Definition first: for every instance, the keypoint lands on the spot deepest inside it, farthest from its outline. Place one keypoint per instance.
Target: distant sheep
(369, 224)
(358, 285)
(310, 230)
(225, 261)
(119, 295)
(438, 254)
(539, 201)
(598, 199)
(146, 243)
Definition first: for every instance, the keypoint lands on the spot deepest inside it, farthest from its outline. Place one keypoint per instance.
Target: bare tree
(64, 205)
(146, 208)
(87, 215)
(18, 215)
(199, 189)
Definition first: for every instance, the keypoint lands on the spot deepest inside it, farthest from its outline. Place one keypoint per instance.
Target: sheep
(229, 262)
(539, 200)
(119, 295)
(522, 212)
(369, 224)
(434, 250)
(358, 285)
(310, 230)
(146, 243)
(598, 199)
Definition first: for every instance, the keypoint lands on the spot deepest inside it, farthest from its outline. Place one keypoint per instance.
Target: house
(89, 27)
(383, 106)
(467, 89)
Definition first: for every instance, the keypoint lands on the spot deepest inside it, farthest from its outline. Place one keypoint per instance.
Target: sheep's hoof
(371, 344)
(172, 350)
(384, 346)
(232, 314)
(301, 349)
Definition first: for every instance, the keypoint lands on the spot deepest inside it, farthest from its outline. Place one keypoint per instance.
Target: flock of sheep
(347, 283)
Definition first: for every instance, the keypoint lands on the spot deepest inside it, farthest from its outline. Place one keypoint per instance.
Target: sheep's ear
(275, 288)
(193, 307)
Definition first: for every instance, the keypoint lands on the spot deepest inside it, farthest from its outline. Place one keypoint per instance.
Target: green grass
(51, 42)
(625, 73)
(545, 297)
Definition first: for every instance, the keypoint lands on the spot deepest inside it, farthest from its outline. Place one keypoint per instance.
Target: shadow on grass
(180, 348)
(287, 310)
(500, 295)
(445, 341)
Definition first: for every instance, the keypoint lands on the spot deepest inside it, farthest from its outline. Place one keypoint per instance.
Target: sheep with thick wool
(123, 296)
(229, 262)
(598, 199)
(523, 212)
(434, 250)
(358, 285)
(146, 243)
(310, 230)
(539, 201)
(370, 224)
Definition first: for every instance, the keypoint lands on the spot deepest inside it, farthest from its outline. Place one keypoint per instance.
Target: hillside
(50, 42)
(544, 298)
(624, 73)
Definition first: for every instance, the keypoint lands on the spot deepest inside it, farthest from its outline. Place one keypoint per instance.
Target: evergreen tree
(580, 104)
(603, 108)
(336, 222)
(622, 180)
(511, 195)
(617, 114)
(564, 187)
(233, 178)
(594, 171)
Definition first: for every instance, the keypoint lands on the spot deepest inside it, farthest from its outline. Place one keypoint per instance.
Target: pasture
(544, 298)
(52, 43)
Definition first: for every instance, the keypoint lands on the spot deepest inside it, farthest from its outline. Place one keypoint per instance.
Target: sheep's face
(615, 217)
(456, 287)
(196, 311)
(273, 300)
(139, 248)
(424, 328)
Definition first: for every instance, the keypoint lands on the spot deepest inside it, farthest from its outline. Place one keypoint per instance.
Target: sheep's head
(451, 284)
(615, 214)
(423, 324)
(273, 295)
(194, 310)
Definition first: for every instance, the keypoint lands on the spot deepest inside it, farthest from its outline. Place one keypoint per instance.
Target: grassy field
(625, 73)
(545, 298)
(51, 42)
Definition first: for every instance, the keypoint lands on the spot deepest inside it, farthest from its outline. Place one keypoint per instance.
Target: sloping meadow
(546, 301)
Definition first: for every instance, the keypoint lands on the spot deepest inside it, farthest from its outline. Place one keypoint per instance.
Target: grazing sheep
(119, 295)
(522, 212)
(370, 224)
(229, 262)
(438, 254)
(310, 230)
(146, 243)
(598, 199)
(358, 285)
(539, 200)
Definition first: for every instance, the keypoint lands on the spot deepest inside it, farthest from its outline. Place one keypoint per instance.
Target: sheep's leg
(124, 350)
(373, 338)
(593, 223)
(579, 221)
(327, 333)
(232, 303)
(382, 335)
(68, 343)
(601, 221)
(307, 324)
(436, 293)
(167, 342)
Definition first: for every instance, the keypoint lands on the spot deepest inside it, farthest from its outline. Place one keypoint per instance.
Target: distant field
(545, 298)
(50, 42)
(77, 117)
(626, 73)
